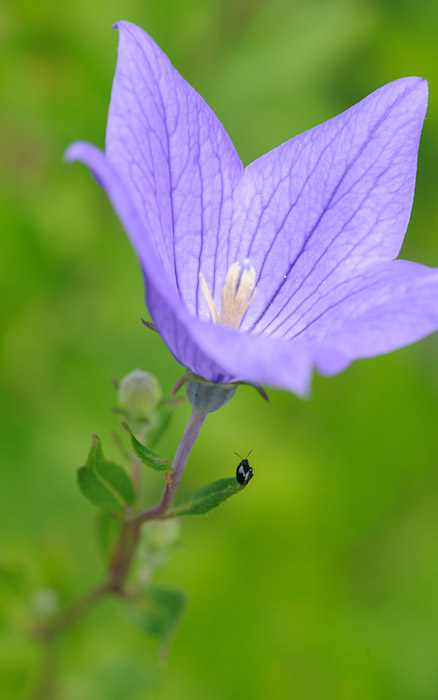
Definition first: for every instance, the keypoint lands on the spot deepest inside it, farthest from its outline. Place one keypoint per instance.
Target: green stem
(69, 616)
(188, 439)
(46, 686)
(127, 543)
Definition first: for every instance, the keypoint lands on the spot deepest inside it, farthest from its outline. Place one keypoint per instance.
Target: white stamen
(238, 293)
(209, 299)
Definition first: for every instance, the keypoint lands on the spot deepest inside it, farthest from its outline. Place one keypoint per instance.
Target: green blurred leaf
(105, 484)
(208, 497)
(145, 455)
(158, 612)
(108, 529)
(160, 423)
(12, 577)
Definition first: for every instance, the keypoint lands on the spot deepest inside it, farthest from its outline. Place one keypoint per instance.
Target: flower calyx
(208, 396)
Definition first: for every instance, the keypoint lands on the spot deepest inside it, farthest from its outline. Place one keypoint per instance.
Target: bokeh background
(320, 581)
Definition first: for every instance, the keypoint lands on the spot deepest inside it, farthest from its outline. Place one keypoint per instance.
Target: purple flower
(261, 273)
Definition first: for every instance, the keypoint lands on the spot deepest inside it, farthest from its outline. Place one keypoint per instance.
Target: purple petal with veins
(316, 222)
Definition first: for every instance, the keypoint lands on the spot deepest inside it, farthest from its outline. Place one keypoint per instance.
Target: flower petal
(221, 354)
(217, 353)
(313, 216)
(330, 202)
(176, 160)
(377, 311)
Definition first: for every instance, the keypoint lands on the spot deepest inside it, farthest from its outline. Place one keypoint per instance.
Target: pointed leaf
(158, 612)
(159, 424)
(105, 484)
(207, 498)
(145, 455)
(108, 530)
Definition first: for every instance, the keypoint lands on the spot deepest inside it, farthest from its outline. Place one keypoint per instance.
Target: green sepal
(145, 455)
(105, 484)
(157, 611)
(207, 498)
(159, 423)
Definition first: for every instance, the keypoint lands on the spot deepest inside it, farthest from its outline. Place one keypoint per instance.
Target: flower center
(237, 295)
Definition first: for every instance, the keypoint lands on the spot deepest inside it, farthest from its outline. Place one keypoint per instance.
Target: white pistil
(238, 293)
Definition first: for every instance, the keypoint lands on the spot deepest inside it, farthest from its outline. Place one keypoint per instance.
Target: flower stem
(127, 543)
(188, 439)
(69, 616)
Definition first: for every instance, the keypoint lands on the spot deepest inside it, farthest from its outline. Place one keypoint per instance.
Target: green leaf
(145, 455)
(105, 484)
(108, 530)
(158, 612)
(12, 578)
(208, 497)
(159, 424)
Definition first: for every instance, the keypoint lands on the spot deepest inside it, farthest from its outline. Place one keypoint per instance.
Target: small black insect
(244, 472)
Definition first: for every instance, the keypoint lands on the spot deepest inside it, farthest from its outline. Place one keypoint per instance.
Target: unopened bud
(139, 394)
(45, 601)
(160, 535)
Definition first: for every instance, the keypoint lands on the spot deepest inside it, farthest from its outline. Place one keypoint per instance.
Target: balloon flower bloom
(262, 273)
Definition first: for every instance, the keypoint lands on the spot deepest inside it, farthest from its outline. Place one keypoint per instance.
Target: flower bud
(45, 601)
(139, 394)
(161, 535)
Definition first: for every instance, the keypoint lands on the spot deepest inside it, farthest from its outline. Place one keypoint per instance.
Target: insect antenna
(240, 456)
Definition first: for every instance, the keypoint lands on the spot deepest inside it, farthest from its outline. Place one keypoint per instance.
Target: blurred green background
(320, 581)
